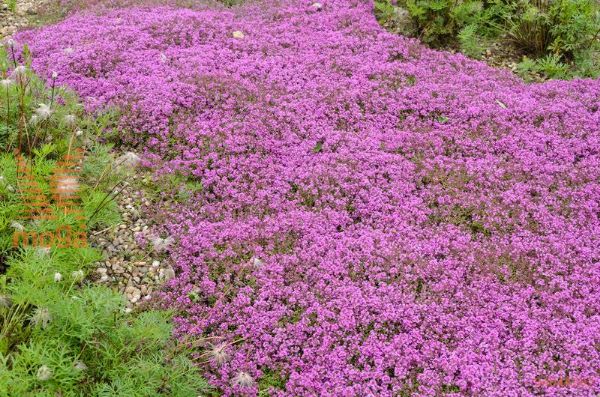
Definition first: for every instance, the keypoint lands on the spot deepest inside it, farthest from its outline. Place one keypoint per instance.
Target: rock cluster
(131, 266)
(11, 21)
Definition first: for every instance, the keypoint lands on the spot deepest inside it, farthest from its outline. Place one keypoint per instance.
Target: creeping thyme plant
(356, 214)
(60, 334)
(369, 217)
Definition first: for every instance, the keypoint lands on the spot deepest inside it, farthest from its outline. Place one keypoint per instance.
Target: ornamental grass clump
(425, 224)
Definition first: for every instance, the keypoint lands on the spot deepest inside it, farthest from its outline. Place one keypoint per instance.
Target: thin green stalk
(52, 92)
(14, 57)
(7, 109)
(106, 200)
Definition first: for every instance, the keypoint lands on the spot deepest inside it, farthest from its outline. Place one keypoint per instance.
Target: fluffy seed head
(243, 379)
(70, 119)
(5, 83)
(5, 301)
(66, 185)
(44, 373)
(43, 111)
(41, 317)
(17, 226)
(20, 70)
(43, 251)
(77, 275)
(218, 354)
(162, 244)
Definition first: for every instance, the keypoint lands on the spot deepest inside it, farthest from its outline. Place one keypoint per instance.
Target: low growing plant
(437, 22)
(61, 335)
(560, 37)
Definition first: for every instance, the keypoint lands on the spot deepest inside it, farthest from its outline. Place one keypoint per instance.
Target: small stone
(256, 262)
(238, 34)
(80, 366)
(169, 273)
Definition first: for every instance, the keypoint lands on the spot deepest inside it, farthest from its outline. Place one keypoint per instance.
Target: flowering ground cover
(376, 218)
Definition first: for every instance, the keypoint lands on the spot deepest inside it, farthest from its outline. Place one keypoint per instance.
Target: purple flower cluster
(377, 218)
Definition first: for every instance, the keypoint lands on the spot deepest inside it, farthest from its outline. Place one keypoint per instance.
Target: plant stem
(14, 57)
(105, 200)
(7, 110)
(52, 94)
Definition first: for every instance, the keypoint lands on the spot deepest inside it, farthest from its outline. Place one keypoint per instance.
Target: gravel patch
(132, 263)
(25, 14)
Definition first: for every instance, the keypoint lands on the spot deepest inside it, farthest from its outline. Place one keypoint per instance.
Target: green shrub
(471, 42)
(561, 27)
(439, 21)
(60, 334)
(559, 36)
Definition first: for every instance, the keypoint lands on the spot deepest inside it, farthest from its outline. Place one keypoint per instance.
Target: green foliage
(551, 67)
(11, 4)
(185, 187)
(93, 348)
(61, 335)
(231, 3)
(394, 18)
(386, 11)
(270, 382)
(561, 37)
(438, 22)
(99, 209)
(562, 27)
(470, 42)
